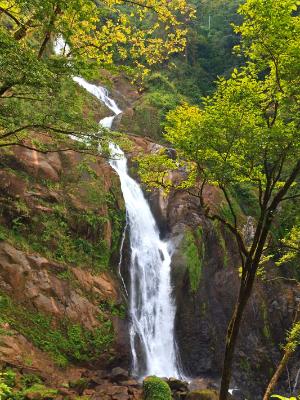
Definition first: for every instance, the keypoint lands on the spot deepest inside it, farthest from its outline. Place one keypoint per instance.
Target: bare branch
(295, 196)
(46, 128)
(239, 238)
(13, 96)
(292, 280)
(137, 3)
(288, 183)
(229, 204)
(58, 150)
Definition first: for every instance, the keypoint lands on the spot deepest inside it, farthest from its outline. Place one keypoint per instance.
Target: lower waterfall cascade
(152, 310)
(151, 307)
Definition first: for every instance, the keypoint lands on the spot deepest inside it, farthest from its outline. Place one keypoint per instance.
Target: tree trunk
(250, 268)
(5, 88)
(277, 373)
(47, 37)
(20, 33)
(233, 331)
(290, 348)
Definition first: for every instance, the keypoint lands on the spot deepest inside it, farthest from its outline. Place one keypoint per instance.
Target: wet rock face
(203, 313)
(205, 303)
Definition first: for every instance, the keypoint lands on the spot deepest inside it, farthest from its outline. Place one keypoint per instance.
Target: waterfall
(151, 308)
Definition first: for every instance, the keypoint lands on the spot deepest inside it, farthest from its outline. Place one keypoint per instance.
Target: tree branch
(216, 217)
(292, 280)
(229, 204)
(46, 151)
(49, 31)
(44, 128)
(20, 97)
(137, 3)
(295, 196)
(288, 183)
(10, 15)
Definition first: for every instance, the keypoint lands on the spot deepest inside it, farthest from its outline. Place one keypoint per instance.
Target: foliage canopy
(36, 89)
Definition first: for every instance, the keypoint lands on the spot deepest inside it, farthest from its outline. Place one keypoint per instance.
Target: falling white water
(62, 48)
(152, 311)
(101, 94)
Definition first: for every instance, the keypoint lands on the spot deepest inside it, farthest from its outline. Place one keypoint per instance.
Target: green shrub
(29, 380)
(9, 377)
(159, 82)
(156, 389)
(80, 385)
(40, 391)
(5, 389)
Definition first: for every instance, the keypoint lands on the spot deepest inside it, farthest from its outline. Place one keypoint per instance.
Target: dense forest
(149, 199)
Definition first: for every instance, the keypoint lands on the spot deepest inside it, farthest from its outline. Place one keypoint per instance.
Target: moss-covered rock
(39, 392)
(193, 248)
(156, 389)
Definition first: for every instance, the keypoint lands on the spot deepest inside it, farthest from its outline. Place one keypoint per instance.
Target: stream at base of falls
(151, 306)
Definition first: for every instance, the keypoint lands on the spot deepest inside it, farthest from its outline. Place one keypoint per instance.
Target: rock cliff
(205, 274)
(62, 315)
(62, 312)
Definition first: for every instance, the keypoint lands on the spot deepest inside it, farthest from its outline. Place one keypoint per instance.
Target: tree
(246, 133)
(292, 342)
(291, 246)
(36, 89)
(208, 53)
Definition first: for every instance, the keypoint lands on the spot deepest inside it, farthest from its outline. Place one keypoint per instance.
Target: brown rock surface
(47, 166)
(102, 285)
(71, 193)
(17, 351)
(31, 278)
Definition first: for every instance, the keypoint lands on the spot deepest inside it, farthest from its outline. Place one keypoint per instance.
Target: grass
(41, 391)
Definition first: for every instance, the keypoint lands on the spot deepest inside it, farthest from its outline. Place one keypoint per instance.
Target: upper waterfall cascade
(151, 308)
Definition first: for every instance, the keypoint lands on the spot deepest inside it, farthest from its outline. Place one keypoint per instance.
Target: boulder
(177, 385)
(119, 374)
(237, 394)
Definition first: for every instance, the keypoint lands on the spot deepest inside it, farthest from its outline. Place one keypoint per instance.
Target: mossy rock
(79, 385)
(39, 392)
(203, 395)
(156, 389)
